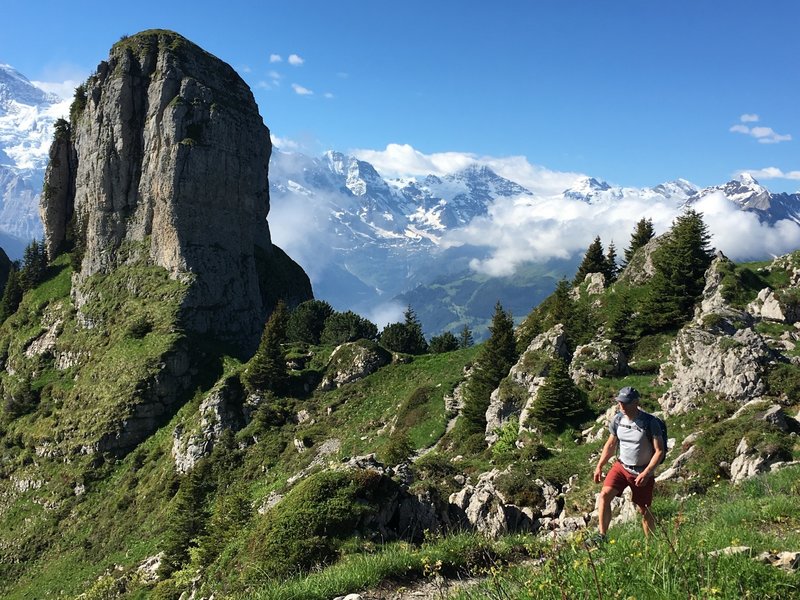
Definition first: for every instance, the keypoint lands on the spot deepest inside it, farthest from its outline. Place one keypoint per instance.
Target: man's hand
(598, 474)
(642, 478)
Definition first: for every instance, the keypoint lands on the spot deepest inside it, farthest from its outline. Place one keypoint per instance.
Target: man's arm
(658, 445)
(609, 450)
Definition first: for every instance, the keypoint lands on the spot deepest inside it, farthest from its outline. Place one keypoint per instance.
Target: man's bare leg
(648, 520)
(607, 494)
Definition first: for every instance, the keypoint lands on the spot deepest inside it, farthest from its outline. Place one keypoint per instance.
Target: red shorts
(619, 478)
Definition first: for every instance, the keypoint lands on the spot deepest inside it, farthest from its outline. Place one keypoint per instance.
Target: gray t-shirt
(635, 441)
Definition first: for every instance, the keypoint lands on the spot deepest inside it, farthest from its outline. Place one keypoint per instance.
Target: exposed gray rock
(713, 310)
(454, 403)
(789, 561)
(169, 160)
(221, 409)
(483, 507)
(599, 358)
(731, 551)
(353, 361)
(595, 283)
(677, 465)
(640, 269)
(748, 462)
(55, 202)
(45, 343)
(775, 306)
(775, 416)
(156, 401)
(148, 569)
(701, 362)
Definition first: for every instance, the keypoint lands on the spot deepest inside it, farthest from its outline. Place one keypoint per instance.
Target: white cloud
(263, 85)
(301, 91)
(245, 69)
(386, 313)
(274, 75)
(275, 58)
(62, 89)
(764, 135)
(740, 235)
(285, 144)
(329, 95)
(534, 229)
(295, 60)
(403, 160)
(771, 173)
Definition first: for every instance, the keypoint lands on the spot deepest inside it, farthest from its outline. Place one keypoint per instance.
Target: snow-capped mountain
(27, 115)
(372, 238)
(598, 192)
(750, 195)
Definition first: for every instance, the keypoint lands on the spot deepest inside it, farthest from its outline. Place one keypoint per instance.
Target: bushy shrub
(347, 327)
(397, 450)
(784, 379)
(304, 529)
(447, 342)
(519, 487)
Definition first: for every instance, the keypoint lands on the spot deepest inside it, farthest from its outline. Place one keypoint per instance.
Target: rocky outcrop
(775, 306)
(701, 361)
(641, 269)
(517, 393)
(714, 311)
(599, 358)
(221, 409)
(169, 157)
(353, 361)
(483, 508)
(57, 199)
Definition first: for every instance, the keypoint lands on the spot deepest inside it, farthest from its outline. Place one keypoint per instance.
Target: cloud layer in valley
(529, 229)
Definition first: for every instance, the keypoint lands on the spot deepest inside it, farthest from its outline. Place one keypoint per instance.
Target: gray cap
(627, 395)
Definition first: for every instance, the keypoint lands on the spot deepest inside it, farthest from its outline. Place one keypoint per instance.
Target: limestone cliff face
(170, 166)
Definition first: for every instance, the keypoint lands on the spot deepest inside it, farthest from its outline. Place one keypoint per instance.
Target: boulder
(701, 361)
(748, 463)
(775, 306)
(353, 361)
(482, 507)
(713, 311)
(599, 358)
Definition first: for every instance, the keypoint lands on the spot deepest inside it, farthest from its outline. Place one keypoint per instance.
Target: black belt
(637, 467)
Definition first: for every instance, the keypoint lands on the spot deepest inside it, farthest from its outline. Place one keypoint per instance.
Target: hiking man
(641, 448)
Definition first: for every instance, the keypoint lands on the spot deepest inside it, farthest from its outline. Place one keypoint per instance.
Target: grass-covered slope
(90, 490)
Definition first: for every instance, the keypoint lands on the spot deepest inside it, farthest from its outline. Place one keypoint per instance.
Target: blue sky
(634, 92)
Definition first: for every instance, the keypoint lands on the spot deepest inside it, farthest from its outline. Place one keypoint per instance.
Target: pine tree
(620, 327)
(593, 262)
(34, 265)
(559, 401)
(612, 269)
(446, 342)
(643, 233)
(12, 294)
(405, 337)
(497, 356)
(266, 371)
(465, 339)
(307, 321)
(680, 265)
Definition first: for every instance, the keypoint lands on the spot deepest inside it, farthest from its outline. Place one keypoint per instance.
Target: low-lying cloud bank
(530, 229)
